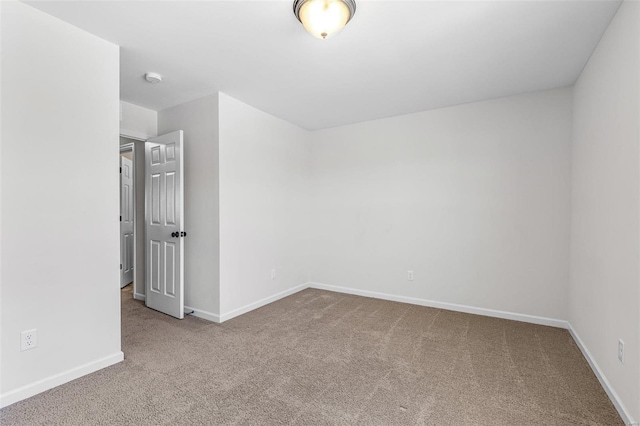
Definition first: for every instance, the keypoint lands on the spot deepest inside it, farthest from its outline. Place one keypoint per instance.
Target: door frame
(126, 148)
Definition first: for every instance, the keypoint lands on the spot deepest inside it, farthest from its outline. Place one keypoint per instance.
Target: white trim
(132, 134)
(260, 303)
(35, 388)
(209, 316)
(552, 322)
(613, 396)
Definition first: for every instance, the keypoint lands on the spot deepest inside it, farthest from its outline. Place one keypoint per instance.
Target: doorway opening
(132, 150)
(152, 229)
(127, 215)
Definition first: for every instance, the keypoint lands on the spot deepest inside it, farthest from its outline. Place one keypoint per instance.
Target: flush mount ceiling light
(324, 18)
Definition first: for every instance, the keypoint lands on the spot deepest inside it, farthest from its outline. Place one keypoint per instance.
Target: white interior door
(164, 224)
(126, 221)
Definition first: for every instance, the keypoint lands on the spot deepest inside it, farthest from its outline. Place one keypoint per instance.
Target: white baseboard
(613, 396)
(50, 382)
(255, 305)
(444, 305)
(209, 316)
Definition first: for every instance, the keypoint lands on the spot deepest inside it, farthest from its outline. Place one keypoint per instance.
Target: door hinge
(121, 266)
(120, 169)
(120, 218)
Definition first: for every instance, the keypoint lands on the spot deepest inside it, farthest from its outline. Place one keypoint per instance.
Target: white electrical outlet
(28, 339)
(410, 275)
(621, 351)
(273, 274)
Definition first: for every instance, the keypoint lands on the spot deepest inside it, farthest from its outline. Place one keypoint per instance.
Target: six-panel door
(164, 224)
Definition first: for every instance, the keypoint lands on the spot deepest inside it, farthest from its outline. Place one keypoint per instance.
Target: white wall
(199, 120)
(59, 164)
(474, 199)
(264, 214)
(605, 232)
(137, 121)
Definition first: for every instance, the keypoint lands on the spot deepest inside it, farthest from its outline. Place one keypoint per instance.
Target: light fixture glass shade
(324, 18)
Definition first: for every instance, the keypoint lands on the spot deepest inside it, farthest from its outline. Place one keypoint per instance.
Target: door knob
(183, 234)
(175, 234)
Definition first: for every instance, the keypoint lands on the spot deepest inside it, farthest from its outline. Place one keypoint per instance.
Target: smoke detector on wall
(153, 77)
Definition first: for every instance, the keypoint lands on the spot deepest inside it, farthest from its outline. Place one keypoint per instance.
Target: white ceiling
(393, 58)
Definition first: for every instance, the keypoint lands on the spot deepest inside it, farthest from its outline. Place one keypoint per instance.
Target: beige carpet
(325, 358)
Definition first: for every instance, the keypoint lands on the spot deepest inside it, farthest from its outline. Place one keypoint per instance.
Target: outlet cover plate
(28, 339)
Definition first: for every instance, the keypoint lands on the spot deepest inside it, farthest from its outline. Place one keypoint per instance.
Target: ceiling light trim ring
(351, 4)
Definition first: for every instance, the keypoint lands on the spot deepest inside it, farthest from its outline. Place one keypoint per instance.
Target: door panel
(170, 218)
(164, 224)
(154, 270)
(126, 221)
(169, 262)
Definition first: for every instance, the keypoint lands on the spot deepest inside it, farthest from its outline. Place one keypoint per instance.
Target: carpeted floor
(326, 358)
